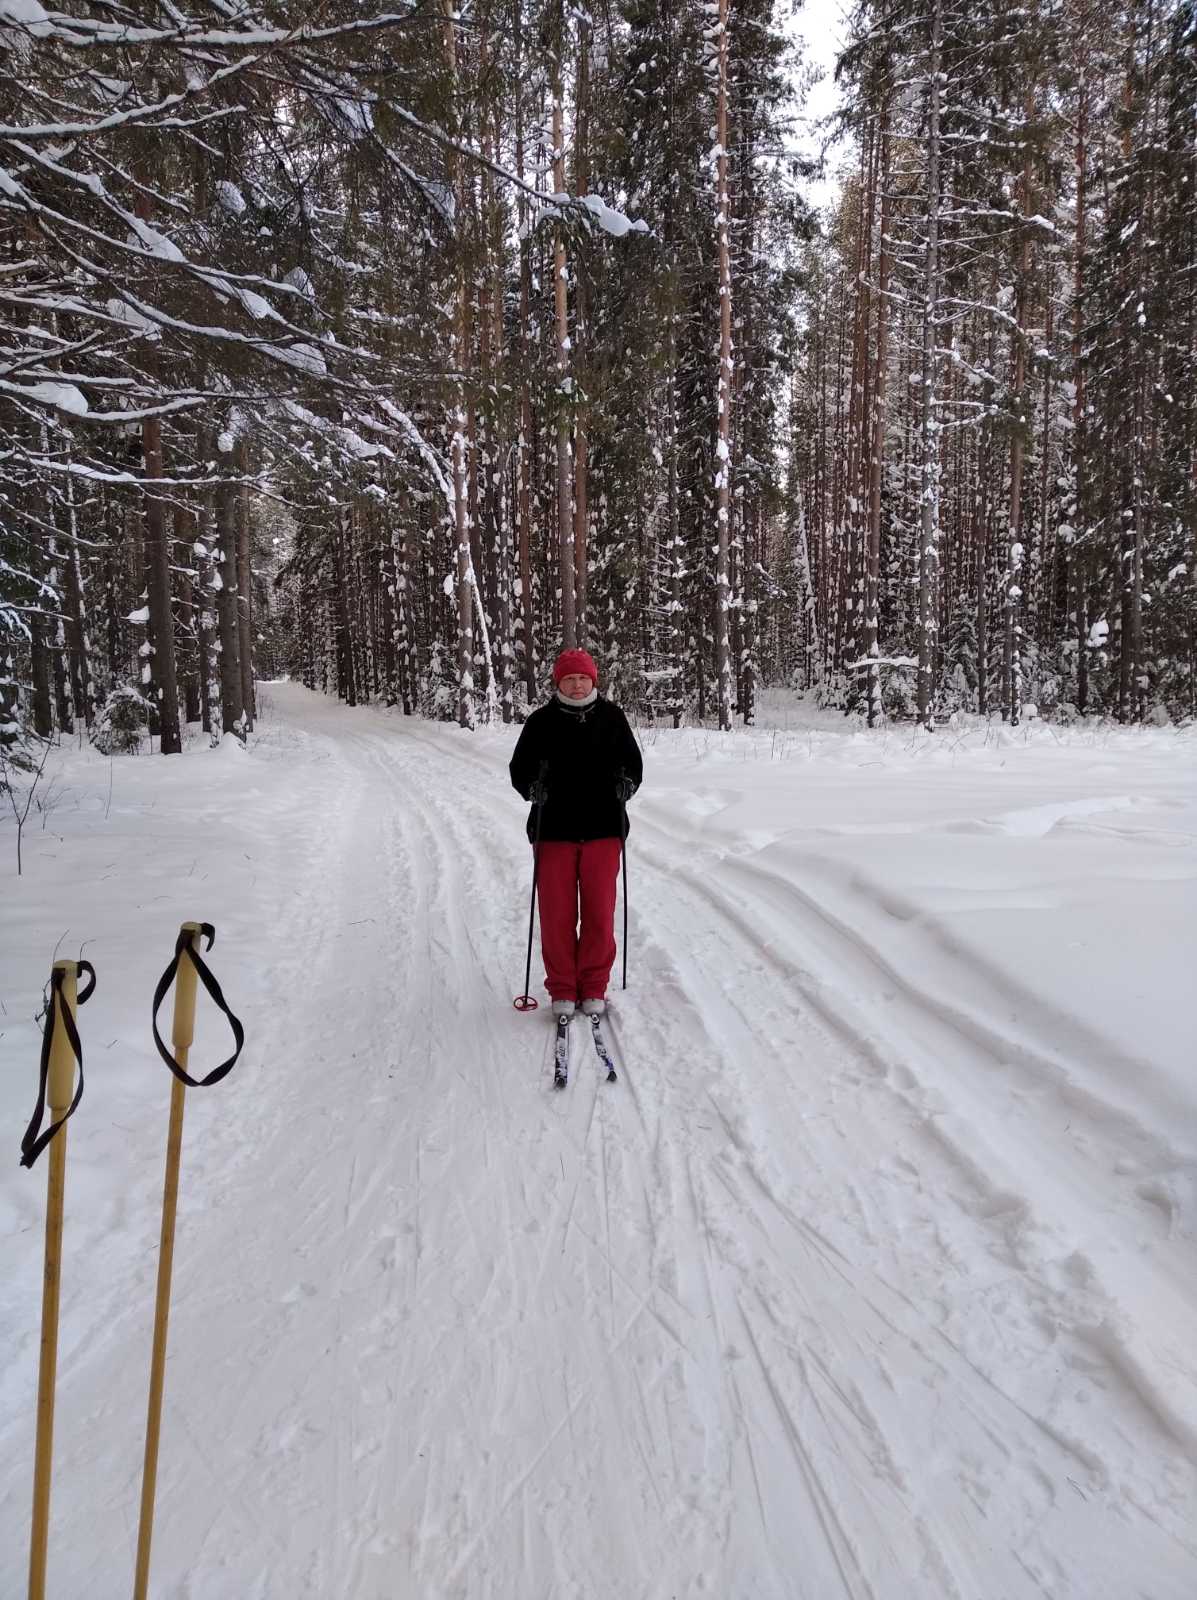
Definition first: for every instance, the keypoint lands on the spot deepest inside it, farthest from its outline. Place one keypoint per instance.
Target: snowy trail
(777, 1317)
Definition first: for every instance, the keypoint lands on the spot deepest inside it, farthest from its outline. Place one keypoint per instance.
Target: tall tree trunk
(9, 706)
(581, 334)
(345, 652)
(61, 654)
(877, 452)
(157, 554)
(404, 639)
(1015, 547)
(231, 706)
(981, 578)
(245, 587)
(1080, 414)
(459, 426)
(498, 518)
(39, 656)
(207, 607)
(189, 650)
(1146, 379)
(81, 674)
(723, 444)
(1041, 562)
(860, 417)
(800, 559)
(158, 588)
(930, 475)
(523, 498)
(564, 399)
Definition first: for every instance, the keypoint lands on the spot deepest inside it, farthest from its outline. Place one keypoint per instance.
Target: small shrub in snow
(899, 696)
(958, 695)
(437, 687)
(122, 720)
(1050, 690)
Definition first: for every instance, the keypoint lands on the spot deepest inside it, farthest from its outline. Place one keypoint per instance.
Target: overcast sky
(822, 27)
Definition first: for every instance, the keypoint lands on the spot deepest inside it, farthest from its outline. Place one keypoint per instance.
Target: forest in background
(397, 347)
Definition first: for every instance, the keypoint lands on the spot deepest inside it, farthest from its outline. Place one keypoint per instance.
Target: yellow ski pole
(188, 964)
(182, 1034)
(60, 1051)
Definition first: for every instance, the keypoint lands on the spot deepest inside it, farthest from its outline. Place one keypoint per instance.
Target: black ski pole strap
(184, 948)
(34, 1142)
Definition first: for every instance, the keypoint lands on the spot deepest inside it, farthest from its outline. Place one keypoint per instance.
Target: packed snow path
(870, 1278)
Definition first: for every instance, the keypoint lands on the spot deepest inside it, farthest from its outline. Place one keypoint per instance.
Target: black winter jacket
(585, 751)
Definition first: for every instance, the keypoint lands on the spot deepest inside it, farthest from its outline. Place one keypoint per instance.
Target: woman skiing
(578, 761)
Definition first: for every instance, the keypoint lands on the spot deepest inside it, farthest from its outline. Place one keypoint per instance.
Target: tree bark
(189, 650)
(564, 399)
(458, 423)
(81, 674)
(581, 333)
(1015, 548)
(231, 706)
(1080, 530)
(245, 587)
(39, 655)
(723, 442)
(877, 453)
(523, 499)
(158, 588)
(64, 708)
(930, 474)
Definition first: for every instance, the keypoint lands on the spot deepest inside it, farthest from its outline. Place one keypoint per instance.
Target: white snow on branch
(298, 279)
(63, 395)
(426, 452)
(1099, 634)
(348, 438)
(302, 355)
(27, 15)
(230, 197)
(616, 223)
(121, 311)
(156, 243)
(882, 661)
(254, 303)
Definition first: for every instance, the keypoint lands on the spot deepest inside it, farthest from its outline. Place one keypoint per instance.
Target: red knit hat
(570, 661)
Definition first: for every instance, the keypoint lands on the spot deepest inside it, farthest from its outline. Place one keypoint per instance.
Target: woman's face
(575, 686)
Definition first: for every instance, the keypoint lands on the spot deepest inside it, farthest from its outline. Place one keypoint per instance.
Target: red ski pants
(577, 964)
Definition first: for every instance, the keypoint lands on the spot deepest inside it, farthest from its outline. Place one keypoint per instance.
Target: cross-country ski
(561, 1054)
(600, 1045)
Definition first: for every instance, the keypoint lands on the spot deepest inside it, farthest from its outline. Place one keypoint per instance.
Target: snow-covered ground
(874, 1276)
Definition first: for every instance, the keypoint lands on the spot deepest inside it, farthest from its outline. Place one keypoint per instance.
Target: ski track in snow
(775, 1317)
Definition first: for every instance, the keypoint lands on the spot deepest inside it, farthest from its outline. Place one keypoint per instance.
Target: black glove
(624, 787)
(538, 792)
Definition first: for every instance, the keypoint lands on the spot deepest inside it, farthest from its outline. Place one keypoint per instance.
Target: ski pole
(184, 974)
(525, 1002)
(623, 861)
(181, 1037)
(60, 1052)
